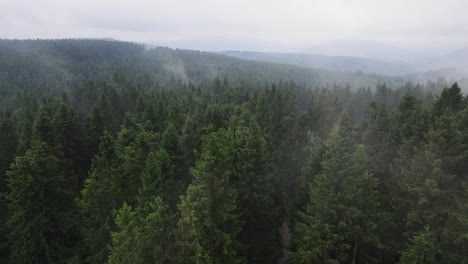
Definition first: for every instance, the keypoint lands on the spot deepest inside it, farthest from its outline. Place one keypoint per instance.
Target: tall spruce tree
(339, 222)
(39, 208)
(433, 186)
(99, 202)
(382, 154)
(210, 223)
(67, 131)
(157, 177)
(146, 234)
(8, 142)
(133, 144)
(253, 182)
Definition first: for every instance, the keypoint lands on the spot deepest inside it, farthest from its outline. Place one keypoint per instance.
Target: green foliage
(431, 183)
(450, 99)
(145, 235)
(253, 182)
(43, 129)
(423, 249)
(8, 142)
(339, 223)
(158, 177)
(100, 201)
(210, 222)
(39, 208)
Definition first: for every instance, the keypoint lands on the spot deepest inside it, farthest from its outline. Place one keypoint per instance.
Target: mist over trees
(119, 162)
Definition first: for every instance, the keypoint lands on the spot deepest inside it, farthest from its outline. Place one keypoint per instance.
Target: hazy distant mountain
(416, 66)
(214, 43)
(333, 63)
(458, 59)
(346, 55)
(453, 74)
(365, 49)
(452, 66)
(346, 47)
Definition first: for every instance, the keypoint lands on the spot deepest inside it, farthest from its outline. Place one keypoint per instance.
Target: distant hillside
(451, 75)
(28, 64)
(365, 49)
(333, 63)
(458, 59)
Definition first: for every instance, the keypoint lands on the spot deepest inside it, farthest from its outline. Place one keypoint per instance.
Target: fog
(427, 26)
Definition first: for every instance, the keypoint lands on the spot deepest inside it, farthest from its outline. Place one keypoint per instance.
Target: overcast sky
(286, 25)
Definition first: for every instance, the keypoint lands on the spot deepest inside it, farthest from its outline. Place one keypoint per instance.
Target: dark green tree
(210, 223)
(146, 234)
(423, 249)
(382, 154)
(339, 223)
(100, 201)
(43, 129)
(253, 181)
(99, 121)
(133, 144)
(450, 99)
(158, 179)
(70, 147)
(114, 178)
(8, 143)
(39, 208)
(430, 185)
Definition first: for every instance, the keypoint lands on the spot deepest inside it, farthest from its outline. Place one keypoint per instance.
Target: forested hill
(59, 63)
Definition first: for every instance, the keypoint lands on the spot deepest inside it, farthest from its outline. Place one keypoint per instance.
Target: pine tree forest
(118, 165)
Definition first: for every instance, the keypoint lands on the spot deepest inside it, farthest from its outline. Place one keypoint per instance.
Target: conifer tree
(113, 179)
(8, 142)
(146, 234)
(100, 201)
(156, 175)
(67, 131)
(450, 99)
(433, 189)
(39, 208)
(382, 154)
(251, 178)
(43, 130)
(190, 141)
(340, 220)
(24, 131)
(423, 249)
(210, 223)
(133, 144)
(100, 120)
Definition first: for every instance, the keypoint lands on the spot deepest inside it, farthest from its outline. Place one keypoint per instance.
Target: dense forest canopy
(114, 153)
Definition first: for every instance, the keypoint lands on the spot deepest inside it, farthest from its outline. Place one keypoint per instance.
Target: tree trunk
(355, 251)
(285, 235)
